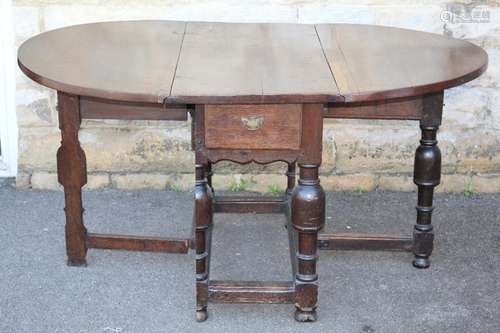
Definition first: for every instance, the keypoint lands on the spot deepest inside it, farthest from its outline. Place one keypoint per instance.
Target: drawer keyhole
(252, 123)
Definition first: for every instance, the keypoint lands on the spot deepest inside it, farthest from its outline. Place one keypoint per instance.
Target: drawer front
(267, 126)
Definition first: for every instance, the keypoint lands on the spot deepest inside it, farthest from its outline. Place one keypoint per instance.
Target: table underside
(410, 108)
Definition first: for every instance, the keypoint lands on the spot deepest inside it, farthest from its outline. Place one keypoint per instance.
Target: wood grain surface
(375, 62)
(227, 63)
(225, 126)
(128, 61)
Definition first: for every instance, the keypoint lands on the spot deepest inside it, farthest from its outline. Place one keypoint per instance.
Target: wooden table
(256, 93)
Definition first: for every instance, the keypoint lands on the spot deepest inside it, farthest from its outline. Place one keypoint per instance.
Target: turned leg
(203, 222)
(290, 175)
(72, 174)
(427, 174)
(308, 217)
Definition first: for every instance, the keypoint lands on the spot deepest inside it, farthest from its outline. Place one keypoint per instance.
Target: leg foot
(77, 262)
(421, 263)
(305, 316)
(201, 315)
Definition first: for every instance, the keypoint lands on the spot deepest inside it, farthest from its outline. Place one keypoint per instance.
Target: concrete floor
(363, 292)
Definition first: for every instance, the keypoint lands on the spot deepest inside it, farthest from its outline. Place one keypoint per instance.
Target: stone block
(396, 182)
(453, 183)
(140, 181)
(97, 181)
(349, 182)
(36, 114)
(466, 107)
(37, 149)
(494, 108)
(486, 183)
(23, 180)
(34, 107)
(361, 149)
(183, 182)
(137, 150)
(45, 181)
(329, 151)
(479, 151)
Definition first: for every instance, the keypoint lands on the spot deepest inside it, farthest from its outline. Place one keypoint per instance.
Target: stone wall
(358, 155)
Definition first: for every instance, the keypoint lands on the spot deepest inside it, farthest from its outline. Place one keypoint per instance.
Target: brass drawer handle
(252, 123)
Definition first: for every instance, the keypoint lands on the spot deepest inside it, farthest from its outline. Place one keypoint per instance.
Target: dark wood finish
(308, 213)
(406, 109)
(312, 134)
(427, 175)
(251, 292)
(203, 225)
(432, 109)
(93, 108)
(372, 242)
(131, 61)
(272, 63)
(277, 81)
(258, 127)
(199, 62)
(137, 243)
(245, 156)
(393, 63)
(255, 204)
(242, 156)
(72, 175)
(306, 203)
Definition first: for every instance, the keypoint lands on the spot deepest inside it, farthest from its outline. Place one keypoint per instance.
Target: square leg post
(308, 214)
(427, 175)
(72, 175)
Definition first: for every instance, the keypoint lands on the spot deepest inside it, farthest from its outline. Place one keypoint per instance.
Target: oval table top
(204, 63)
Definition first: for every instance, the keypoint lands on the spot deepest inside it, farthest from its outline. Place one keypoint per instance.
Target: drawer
(263, 126)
